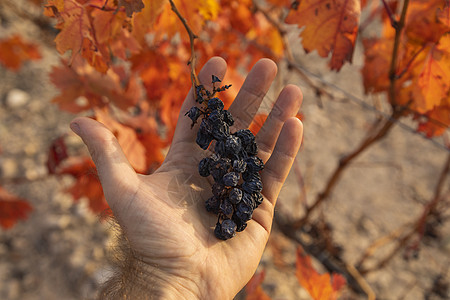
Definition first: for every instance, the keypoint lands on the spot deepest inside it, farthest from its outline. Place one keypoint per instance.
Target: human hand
(174, 253)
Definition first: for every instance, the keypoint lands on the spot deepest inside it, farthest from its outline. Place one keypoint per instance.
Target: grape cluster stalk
(234, 166)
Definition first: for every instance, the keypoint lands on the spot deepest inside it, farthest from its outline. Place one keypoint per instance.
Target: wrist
(138, 280)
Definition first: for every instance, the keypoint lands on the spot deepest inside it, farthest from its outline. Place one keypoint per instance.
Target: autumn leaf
(282, 3)
(330, 27)
(376, 64)
(56, 155)
(253, 288)
(82, 87)
(319, 286)
(12, 209)
(127, 138)
(76, 31)
(144, 20)
(432, 85)
(131, 6)
(146, 128)
(14, 52)
(257, 123)
(434, 122)
(427, 20)
(87, 184)
(195, 12)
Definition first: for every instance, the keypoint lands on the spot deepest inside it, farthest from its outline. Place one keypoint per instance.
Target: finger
(252, 92)
(183, 132)
(287, 106)
(280, 162)
(118, 178)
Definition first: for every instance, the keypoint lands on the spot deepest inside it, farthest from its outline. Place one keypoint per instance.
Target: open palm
(163, 216)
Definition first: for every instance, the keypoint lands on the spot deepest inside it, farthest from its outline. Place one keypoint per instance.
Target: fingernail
(75, 128)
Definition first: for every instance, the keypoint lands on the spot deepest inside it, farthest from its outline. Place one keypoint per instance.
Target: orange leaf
(319, 286)
(331, 26)
(146, 128)
(127, 138)
(196, 13)
(131, 6)
(427, 20)
(14, 51)
(253, 288)
(432, 84)
(377, 60)
(12, 209)
(87, 183)
(257, 123)
(81, 81)
(435, 122)
(144, 20)
(282, 3)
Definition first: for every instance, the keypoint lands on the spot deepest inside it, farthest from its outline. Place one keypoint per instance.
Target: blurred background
(59, 250)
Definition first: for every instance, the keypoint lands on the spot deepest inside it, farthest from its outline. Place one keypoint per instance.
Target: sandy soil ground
(60, 251)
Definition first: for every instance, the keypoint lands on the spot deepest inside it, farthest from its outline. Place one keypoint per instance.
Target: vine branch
(192, 36)
(393, 68)
(417, 228)
(391, 15)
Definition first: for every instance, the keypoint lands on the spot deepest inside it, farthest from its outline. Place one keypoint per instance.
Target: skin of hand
(174, 239)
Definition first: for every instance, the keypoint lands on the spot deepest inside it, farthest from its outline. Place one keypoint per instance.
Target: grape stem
(192, 36)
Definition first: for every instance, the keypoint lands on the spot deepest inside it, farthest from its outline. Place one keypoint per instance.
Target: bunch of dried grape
(233, 165)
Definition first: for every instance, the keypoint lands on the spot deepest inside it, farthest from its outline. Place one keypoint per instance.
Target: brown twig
(354, 279)
(391, 15)
(416, 229)
(193, 59)
(393, 68)
(345, 161)
(371, 138)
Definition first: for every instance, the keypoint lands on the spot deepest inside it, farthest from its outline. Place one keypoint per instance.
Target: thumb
(118, 178)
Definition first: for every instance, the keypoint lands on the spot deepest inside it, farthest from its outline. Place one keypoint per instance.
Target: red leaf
(253, 288)
(14, 51)
(319, 286)
(56, 154)
(435, 122)
(330, 26)
(12, 209)
(131, 6)
(87, 183)
(127, 138)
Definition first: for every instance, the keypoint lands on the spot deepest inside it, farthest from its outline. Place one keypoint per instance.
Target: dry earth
(60, 251)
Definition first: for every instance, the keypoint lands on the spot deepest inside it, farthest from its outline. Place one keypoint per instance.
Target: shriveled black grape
(226, 207)
(231, 179)
(246, 136)
(203, 140)
(194, 113)
(215, 104)
(240, 225)
(213, 205)
(252, 186)
(244, 212)
(239, 165)
(258, 197)
(233, 146)
(254, 164)
(228, 118)
(203, 167)
(235, 195)
(248, 200)
(220, 131)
